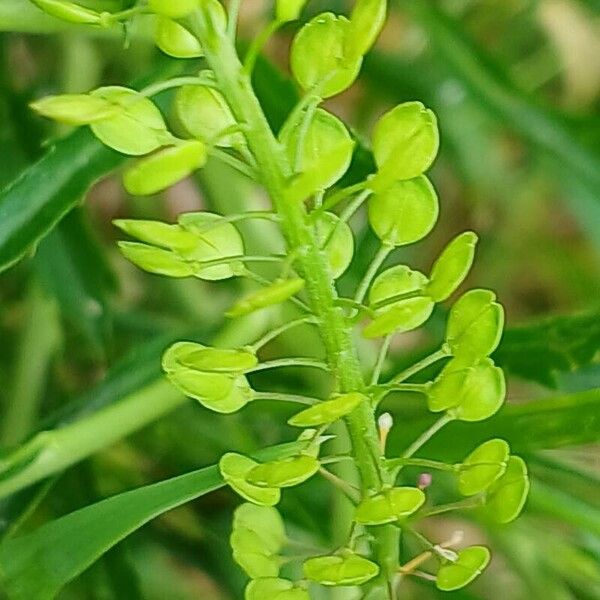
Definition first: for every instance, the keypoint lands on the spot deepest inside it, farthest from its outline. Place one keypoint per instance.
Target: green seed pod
(366, 22)
(74, 109)
(165, 168)
(405, 144)
(276, 293)
(470, 563)
(405, 212)
(175, 40)
(506, 497)
(234, 468)
(174, 9)
(318, 56)
(157, 233)
(274, 588)
(483, 466)
(396, 281)
(404, 315)
(288, 10)
(137, 128)
(216, 239)
(325, 157)
(389, 506)
(258, 536)
(205, 115)
(475, 325)
(350, 569)
(201, 358)
(286, 472)
(472, 392)
(337, 242)
(69, 11)
(156, 260)
(219, 392)
(452, 266)
(328, 411)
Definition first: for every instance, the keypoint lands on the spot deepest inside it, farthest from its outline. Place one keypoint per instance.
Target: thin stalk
(342, 194)
(307, 118)
(267, 215)
(420, 462)
(427, 435)
(271, 335)
(290, 362)
(233, 12)
(225, 260)
(286, 398)
(262, 281)
(352, 493)
(257, 45)
(232, 161)
(301, 239)
(161, 86)
(418, 366)
(452, 506)
(381, 356)
(349, 211)
(376, 263)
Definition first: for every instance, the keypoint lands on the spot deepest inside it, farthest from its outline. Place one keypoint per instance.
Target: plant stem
(381, 356)
(427, 435)
(301, 239)
(289, 362)
(286, 397)
(418, 366)
(271, 335)
(376, 263)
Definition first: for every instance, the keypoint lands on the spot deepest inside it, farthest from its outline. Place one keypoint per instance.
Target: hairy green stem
(302, 240)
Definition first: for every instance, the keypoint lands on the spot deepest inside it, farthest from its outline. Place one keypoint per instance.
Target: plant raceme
(217, 114)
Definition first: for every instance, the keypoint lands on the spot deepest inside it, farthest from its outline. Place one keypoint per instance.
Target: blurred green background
(515, 85)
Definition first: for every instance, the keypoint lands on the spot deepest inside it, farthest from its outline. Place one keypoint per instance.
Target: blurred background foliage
(515, 84)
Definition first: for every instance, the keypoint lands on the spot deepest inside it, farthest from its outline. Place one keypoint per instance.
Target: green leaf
(37, 565)
(217, 239)
(156, 260)
(405, 212)
(396, 281)
(235, 468)
(452, 266)
(165, 168)
(324, 157)
(389, 506)
(483, 466)
(328, 411)
(475, 325)
(276, 293)
(405, 144)
(273, 588)
(542, 350)
(287, 472)
(174, 9)
(202, 358)
(175, 40)
(205, 115)
(507, 496)
(318, 58)
(350, 569)
(337, 242)
(137, 128)
(74, 109)
(257, 538)
(469, 564)
(404, 315)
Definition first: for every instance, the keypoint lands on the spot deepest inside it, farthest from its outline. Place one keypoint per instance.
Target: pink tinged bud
(424, 481)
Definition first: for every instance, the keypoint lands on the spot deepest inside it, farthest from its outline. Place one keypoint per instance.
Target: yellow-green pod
(286, 472)
(175, 40)
(174, 9)
(69, 11)
(390, 506)
(468, 565)
(74, 109)
(335, 570)
(234, 469)
(156, 260)
(276, 293)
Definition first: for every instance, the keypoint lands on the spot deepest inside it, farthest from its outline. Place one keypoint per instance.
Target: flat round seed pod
(274, 588)
(69, 11)
(156, 260)
(288, 10)
(325, 155)
(328, 411)
(175, 40)
(337, 242)
(318, 56)
(74, 109)
(157, 233)
(286, 472)
(404, 315)
(389, 506)
(366, 22)
(205, 115)
(163, 169)
(276, 293)
(475, 325)
(202, 358)
(395, 281)
(234, 469)
(507, 496)
(335, 570)
(175, 9)
(483, 467)
(405, 143)
(405, 212)
(217, 239)
(136, 128)
(469, 565)
(452, 266)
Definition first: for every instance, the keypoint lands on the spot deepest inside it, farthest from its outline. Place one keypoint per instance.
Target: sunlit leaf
(483, 466)
(349, 569)
(470, 563)
(389, 506)
(235, 468)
